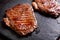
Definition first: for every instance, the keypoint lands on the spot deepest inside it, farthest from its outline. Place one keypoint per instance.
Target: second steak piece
(51, 7)
(21, 19)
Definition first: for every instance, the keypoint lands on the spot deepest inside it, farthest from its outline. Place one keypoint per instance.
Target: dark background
(48, 27)
(2, 3)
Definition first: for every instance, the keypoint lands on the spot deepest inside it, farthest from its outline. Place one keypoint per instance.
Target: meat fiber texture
(21, 18)
(51, 7)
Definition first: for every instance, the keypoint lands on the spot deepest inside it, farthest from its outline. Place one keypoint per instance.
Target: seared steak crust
(21, 19)
(51, 7)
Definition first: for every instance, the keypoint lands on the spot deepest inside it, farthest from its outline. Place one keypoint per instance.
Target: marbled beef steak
(21, 19)
(51, 7)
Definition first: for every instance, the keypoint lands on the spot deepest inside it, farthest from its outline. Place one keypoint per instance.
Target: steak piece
(21, 19)
(51, 7)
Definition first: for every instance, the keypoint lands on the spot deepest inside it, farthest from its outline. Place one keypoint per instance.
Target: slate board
(48, 28)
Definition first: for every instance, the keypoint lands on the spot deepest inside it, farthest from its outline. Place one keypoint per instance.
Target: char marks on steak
(51, 7)
(21, 19)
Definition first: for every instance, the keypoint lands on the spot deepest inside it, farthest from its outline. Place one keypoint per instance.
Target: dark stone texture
(48, 28)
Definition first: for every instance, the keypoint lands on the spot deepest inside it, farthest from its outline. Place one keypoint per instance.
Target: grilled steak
(21, 19)
(51, 7)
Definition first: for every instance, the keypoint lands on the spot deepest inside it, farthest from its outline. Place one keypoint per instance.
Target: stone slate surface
(48, 28)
